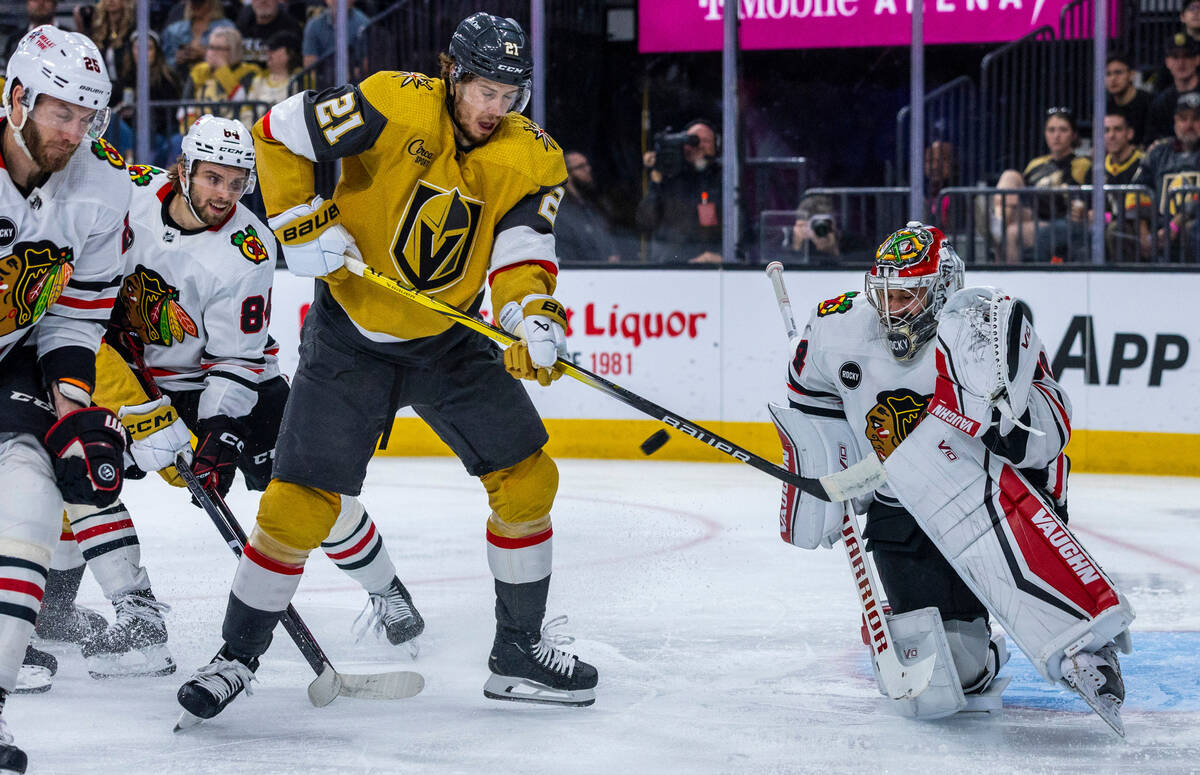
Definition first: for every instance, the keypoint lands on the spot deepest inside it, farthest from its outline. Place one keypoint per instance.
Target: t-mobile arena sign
(695, 25)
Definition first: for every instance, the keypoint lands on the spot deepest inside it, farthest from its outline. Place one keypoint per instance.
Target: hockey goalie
(951, 388)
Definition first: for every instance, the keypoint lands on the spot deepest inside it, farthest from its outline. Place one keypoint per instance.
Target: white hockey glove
(987, 355)
(157, 432)
(540, 322)
(314, 243)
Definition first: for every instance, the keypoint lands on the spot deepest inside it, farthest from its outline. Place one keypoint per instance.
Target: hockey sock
(262, 588)
(22, 582)
(110, 545)
(66, 573)
(66, 552)
(521, 566)
(357, 548)
(521, 607)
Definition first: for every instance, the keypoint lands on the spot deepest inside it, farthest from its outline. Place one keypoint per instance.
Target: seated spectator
(185, 42)
(319, 41)
(1124, 96)
(1183, 57)
(164, 87)
(37, 13)
(271, 86)
(259, 21)
(581, 230)
(221, 77)
(1018, 225)
(1172, 164)
(941, 170)
(680, 212)
(1121, 160)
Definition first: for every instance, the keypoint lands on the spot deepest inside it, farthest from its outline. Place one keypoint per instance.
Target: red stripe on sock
(92, 532)
(500, 542)
(67, 535)
(266, 563)
(24, 587)
(358, 547)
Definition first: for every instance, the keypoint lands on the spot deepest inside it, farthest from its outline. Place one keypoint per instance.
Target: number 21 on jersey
(338, 116)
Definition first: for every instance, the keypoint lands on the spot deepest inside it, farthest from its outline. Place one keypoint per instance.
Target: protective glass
(494, 98)
(76, 123)
(234, 181)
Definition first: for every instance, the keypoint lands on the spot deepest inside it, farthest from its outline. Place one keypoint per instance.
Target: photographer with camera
(814, 234)
(680, 212)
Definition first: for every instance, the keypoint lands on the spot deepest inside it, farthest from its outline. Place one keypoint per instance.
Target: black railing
(952, 122)
(1017, 87)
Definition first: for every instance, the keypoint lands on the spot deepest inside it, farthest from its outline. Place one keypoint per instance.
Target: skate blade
(33, 679)
(1110, 714)
(186, 721)
(138, 663)
(512, 689)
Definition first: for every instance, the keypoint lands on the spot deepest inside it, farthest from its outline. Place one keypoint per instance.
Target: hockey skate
(37, 671)
(73, 624)
(135, 644)
(13, 760)
(1097, 678)
(392, 614)
(214, 686)
(529, 667)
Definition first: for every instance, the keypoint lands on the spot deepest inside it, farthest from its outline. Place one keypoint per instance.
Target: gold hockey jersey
(423, 212)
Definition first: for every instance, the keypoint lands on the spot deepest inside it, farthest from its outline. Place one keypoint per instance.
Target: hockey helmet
(919, 261)
(220, 141)
(494, 48)
(64, 65)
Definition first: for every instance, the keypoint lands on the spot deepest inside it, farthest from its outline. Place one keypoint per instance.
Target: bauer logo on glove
(540, 322)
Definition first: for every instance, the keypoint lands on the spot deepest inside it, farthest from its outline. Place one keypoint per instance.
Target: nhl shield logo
(433, 243)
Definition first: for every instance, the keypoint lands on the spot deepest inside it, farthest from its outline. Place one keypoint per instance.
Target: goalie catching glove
(314, 243)
(987, 354)
(540, 322)
(158, 435)
(88, 446)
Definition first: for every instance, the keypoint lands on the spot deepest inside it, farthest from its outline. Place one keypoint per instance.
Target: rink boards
(709, 345)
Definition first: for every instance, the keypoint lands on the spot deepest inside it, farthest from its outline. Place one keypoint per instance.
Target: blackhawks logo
(142, 174)
(538, 134)
(105, 152)
(836, 305)
(151, 307)
(32, 278)
(904, 247)
(434, 240)
(252, 247)
(891, 420)
(416, 80)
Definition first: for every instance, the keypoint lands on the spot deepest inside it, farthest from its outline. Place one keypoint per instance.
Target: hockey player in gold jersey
(447, 188)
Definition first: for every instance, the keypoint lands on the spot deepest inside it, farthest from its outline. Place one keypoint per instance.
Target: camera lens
(821, 226)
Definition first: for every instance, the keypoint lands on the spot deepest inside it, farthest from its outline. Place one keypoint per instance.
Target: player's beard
(467, 127)
(206, 214)
(49, 157)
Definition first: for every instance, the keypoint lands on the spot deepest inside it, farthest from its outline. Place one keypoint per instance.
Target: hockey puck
(655, 442)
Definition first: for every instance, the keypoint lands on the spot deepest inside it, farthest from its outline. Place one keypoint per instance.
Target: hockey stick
(859, 479)
(329, 683)
(898, 679)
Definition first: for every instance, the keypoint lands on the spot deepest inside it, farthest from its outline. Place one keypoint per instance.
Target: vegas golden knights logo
(433, 243)
(32, 278)
(891, 420)
(151, 308)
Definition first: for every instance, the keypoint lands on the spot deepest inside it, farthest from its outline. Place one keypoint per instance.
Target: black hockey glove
(217, 453)
(88, 447)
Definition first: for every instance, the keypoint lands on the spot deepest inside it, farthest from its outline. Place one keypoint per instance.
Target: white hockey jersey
(60, 261)
(842, 368)
(199, 300)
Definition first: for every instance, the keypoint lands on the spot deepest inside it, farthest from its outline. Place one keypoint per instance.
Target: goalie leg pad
(812, 446)
(917, 634)
(1007, 544)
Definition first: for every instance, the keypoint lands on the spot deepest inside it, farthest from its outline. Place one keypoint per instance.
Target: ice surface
(720, 648)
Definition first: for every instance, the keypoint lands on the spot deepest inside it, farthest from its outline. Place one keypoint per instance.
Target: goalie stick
(861, 478)
(329, 683)
(899, 679)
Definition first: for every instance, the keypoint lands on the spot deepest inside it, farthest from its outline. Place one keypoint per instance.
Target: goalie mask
(915, 271)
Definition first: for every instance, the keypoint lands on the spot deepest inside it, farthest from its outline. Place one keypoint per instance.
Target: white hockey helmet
(220, 141)
(64, 65)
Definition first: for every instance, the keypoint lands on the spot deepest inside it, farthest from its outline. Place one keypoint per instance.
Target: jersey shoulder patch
(837, 305)
(250, 244)
(104, 151)
(144, 174)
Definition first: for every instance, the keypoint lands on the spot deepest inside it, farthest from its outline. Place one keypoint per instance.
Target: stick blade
(326, 687)
(867, 475)
(397, 685)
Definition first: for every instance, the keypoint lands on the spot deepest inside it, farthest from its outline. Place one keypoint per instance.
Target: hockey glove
(314, 243)
(217, 454)
(159, 436)
(540, 322)
(88, 447)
